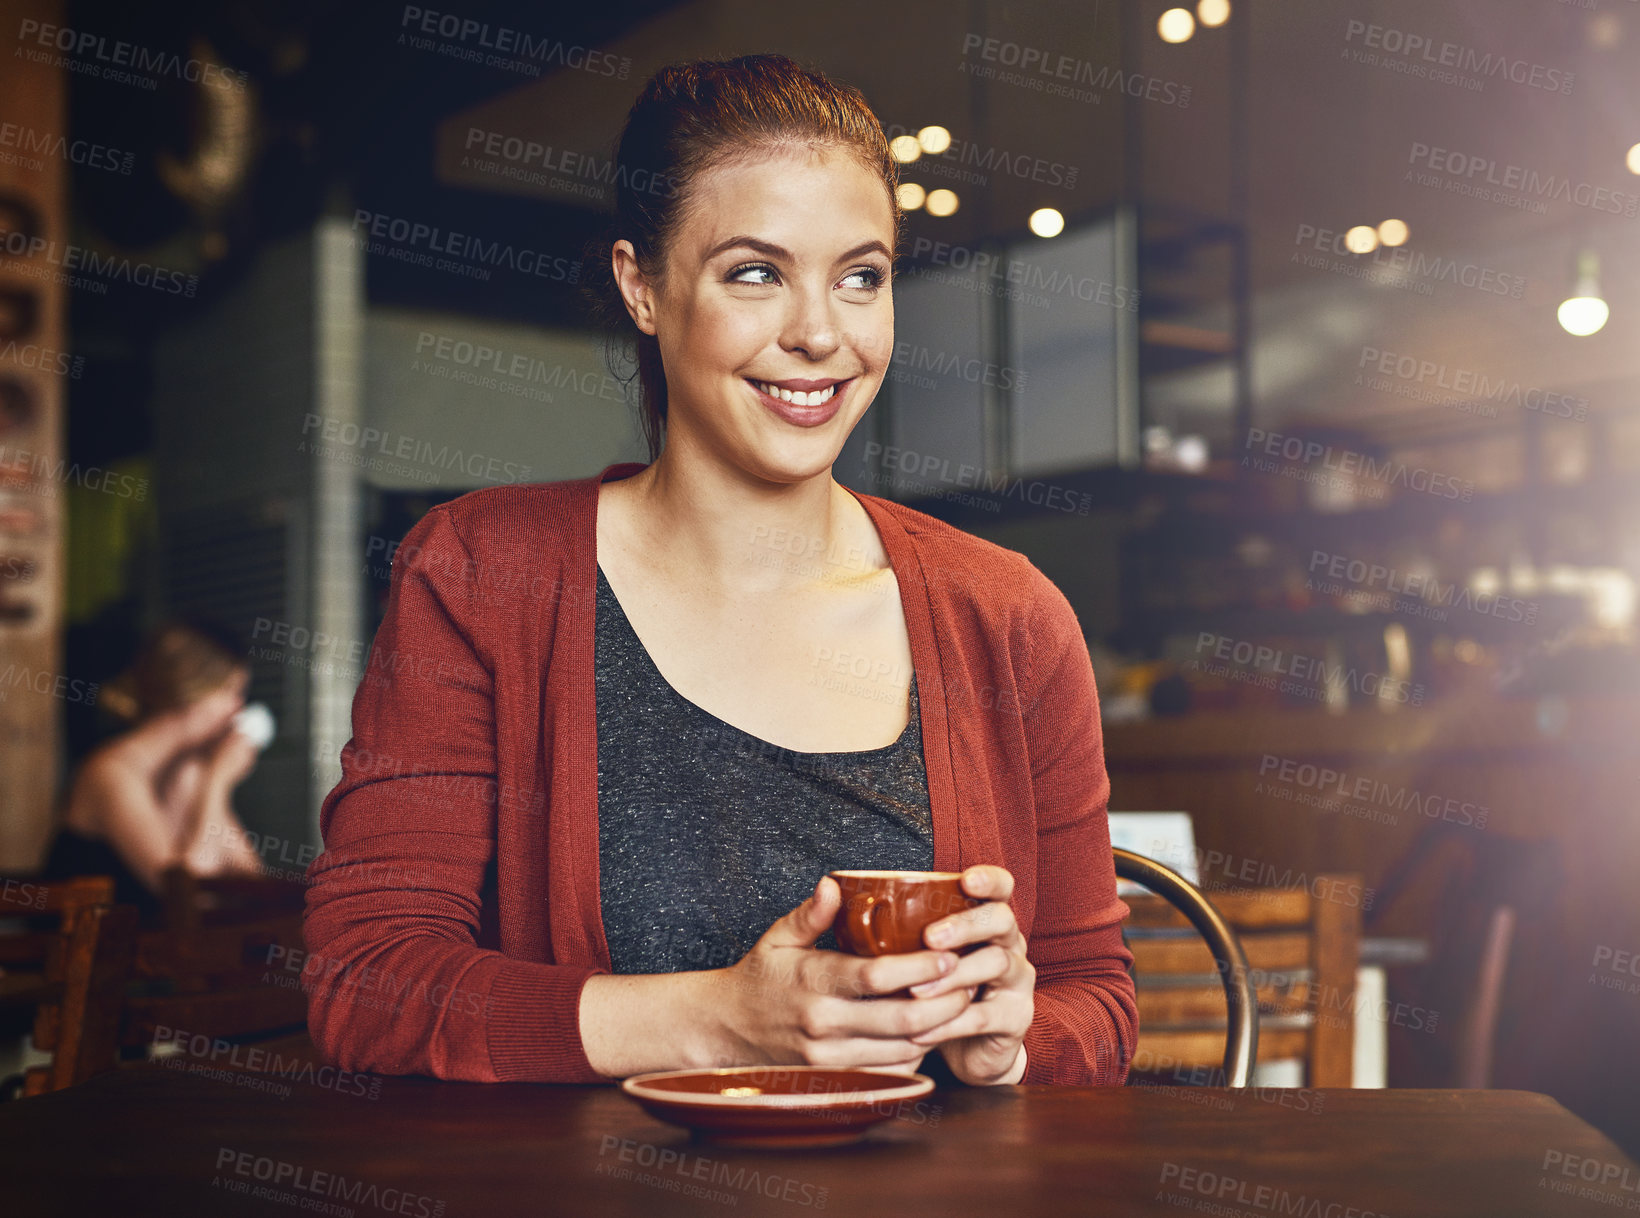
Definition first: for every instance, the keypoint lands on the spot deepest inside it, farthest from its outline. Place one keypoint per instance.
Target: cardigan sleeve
(1086, 1019)
(396, 983)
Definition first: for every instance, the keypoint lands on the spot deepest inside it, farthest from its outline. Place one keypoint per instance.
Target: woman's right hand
(784, 1003)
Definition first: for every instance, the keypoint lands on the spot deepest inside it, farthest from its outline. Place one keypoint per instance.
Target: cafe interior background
(1298, 343)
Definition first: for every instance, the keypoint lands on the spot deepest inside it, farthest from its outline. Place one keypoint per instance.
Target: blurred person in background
(160, 792)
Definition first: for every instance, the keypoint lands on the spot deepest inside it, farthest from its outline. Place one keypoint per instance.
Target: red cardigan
(454, 915)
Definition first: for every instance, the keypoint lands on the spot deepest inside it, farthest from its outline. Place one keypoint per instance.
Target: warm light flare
(1582, 316)
(1047, 222)
(1212, 13)
(1176, 25)
(934, 140)
(1362, 239)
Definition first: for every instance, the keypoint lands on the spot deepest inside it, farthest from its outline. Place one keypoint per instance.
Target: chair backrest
(35, 909)
(1186, 902)
(207, 976)
(206, 973)
(72, 973)
(1302, 946)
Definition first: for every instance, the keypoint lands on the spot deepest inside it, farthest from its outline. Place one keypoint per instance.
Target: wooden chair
(32, 904)
(1301, 950)
(55, 959)
(1480, 884)
(203, 974)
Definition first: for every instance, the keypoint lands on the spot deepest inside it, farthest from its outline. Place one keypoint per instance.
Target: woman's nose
(811, 328)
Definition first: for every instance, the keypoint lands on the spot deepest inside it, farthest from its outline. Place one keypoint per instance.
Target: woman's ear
(636, 291)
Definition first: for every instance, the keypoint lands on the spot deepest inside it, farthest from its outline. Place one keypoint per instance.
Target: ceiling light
(941, 202)
(1047, 222)
(1176, 25)
(1584, 312)
(1394, 232)
(910, 195)
(1362, 239)
(934, 140)
(1634, 159)
(1213, 12)
(904, 148)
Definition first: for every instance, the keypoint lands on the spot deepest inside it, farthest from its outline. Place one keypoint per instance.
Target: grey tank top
(707, 834)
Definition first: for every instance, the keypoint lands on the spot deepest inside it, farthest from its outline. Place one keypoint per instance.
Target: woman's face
(776, 284)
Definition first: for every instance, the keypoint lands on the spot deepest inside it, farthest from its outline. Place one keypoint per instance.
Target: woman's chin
(795, 458)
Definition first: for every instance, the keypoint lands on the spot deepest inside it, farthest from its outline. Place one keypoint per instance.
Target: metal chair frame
(1241, 1036)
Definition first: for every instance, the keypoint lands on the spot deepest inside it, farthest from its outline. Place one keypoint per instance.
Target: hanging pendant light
(1585, 311)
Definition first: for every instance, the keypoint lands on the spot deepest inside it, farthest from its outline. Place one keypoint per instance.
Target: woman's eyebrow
(770, 250)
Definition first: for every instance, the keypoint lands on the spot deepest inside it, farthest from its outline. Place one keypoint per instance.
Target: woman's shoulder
(536, 523)
(494, 512)
(956, 561)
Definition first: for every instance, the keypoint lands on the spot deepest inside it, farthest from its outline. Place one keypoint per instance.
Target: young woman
(623, 726)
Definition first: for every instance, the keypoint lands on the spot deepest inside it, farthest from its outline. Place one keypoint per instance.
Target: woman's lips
(804, 416)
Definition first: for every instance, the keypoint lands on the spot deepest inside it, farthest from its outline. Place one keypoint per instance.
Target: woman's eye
(866, 277)
(750, 271)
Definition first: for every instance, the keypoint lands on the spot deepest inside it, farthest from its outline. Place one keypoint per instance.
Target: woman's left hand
(986, 1043)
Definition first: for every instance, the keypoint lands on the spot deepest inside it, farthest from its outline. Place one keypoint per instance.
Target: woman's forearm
(660, 1021)
(211, 839)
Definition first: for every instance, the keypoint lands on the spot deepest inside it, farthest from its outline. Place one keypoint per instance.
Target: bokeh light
(1394, 232)
(1176, 25)
(1047, 222)
(1362, 239)
(934, 140)
(1212, 13)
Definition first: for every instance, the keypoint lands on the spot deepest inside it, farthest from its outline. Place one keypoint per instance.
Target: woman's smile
(803, 403)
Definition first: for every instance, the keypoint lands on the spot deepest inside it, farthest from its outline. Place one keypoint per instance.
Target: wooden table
(159, 1140)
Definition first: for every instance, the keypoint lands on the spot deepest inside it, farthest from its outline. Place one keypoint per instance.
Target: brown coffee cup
(885, 913)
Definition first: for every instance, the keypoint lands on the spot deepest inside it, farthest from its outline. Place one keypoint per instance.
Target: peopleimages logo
(114, 268)
(1275, 445)
(469, 255)
(969, 155)
(492, 45)
(116, 55)
(1327, 782)
(534, 163)
(1482, 177)
(931, 468)
(1214, 1192)
(1421, 586)
(1057, 75)
(1470, 385)
(1430, 56)
(1405, 261)
(1310, 674)
(1023, 276)
(85, 153)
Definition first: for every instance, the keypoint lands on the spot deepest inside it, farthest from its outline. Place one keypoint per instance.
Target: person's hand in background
(160, 790)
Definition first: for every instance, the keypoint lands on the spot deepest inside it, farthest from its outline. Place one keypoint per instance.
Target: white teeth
(797, 398)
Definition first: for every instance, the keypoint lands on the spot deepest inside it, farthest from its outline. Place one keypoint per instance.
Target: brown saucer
(780, 1107)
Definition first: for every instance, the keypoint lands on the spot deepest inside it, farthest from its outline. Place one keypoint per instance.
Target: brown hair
(695, 116)
(179, 663)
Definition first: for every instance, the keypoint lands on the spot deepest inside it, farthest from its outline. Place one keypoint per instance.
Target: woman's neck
(693, 516)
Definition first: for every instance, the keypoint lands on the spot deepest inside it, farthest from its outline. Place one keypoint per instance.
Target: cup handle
(862, 922)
